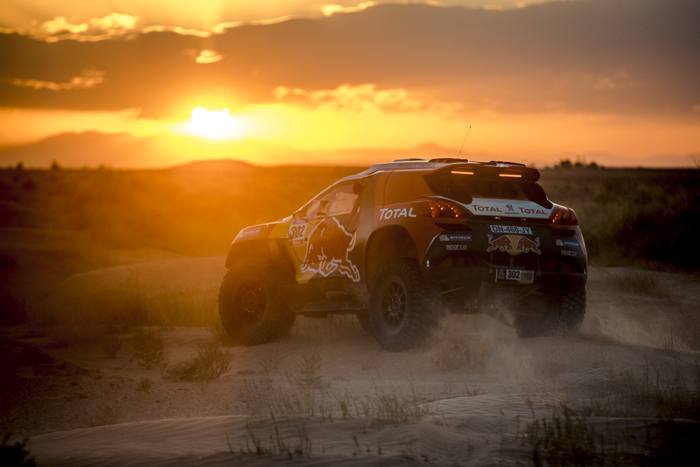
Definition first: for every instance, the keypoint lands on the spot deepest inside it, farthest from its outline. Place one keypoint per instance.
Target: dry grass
(632, 217)
(304, 393)
(661, 400)
(149, 350)
(210, 363)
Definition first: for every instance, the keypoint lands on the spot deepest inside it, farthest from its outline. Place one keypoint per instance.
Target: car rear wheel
(403, 308)
(545, 313)
(251, 309)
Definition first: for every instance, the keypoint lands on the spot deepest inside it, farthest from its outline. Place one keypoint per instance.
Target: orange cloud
(366, 98)
(95, 29)
(208, 56)
(91, 79)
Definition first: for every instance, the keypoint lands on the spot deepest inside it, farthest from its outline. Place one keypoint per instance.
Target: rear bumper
(451, 277)
(551, 258)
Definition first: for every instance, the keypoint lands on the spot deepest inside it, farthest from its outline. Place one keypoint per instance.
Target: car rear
(497, 225)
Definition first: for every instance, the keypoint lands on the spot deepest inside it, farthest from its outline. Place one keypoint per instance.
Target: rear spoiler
(493, 170)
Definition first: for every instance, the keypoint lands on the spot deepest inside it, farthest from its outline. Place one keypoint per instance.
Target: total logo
(386, 213)
(508, 209)
(514, 244)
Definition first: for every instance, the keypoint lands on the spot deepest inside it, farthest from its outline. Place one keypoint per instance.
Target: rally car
(403, 243)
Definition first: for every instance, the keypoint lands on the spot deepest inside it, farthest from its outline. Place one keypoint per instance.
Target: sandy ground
(464, 398)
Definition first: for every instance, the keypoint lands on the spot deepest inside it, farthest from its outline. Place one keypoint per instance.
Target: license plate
(511, 229)
(515, 275)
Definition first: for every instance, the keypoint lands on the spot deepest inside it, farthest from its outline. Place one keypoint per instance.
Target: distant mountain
(123, 150)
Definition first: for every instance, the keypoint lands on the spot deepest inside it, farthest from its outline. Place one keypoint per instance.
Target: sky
(528, 80)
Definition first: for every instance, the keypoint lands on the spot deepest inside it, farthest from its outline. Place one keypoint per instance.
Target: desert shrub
(12, 455)
(149, 350)
(209, 364)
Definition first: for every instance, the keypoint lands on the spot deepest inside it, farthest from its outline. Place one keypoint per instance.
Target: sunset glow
(226, 74)
(215, 124)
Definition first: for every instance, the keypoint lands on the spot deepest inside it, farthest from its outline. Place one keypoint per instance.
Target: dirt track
(477, 384)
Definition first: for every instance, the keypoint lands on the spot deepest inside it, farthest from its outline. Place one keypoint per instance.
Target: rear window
(465, 188)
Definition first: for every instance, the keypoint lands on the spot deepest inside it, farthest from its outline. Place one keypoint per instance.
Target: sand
(465, 398)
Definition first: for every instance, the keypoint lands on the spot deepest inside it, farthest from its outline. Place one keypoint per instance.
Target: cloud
(366, 98)
(115, 23)
(95, 29)
(61, 25)
(208, 56)
(177, 30)
(332, 9)
(594, 56)
(89, 80)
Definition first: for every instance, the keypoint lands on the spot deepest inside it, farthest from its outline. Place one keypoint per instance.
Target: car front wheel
(251, 309)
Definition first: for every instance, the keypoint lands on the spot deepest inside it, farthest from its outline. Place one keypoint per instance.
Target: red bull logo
(514, 244)
(327, 250)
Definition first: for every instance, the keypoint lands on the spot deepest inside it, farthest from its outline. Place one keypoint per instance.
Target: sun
(214, 124)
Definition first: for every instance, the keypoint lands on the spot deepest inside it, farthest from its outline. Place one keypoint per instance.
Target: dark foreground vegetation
(628, 216)
(633, 217)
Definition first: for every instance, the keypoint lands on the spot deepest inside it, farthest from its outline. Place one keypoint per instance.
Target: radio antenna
(465, 140)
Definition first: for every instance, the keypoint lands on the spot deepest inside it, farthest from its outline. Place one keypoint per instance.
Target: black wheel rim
(251, 301)
(394, 305)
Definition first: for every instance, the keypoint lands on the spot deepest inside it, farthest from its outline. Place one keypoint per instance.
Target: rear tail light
(446, 209)
(563, 216)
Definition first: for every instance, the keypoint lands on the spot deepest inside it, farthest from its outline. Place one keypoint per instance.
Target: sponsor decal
(456, 247)
(536, 212)
(508, 210)
(327, 250)
(569, 253)
(455, 238)
(514, 244)
(569, 243)
(386, 213)
(510, 229)
(493, 209)
(297, 230)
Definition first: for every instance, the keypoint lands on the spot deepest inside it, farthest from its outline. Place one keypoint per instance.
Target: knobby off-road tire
(403, 309)
(250, 306)
(544, 314)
